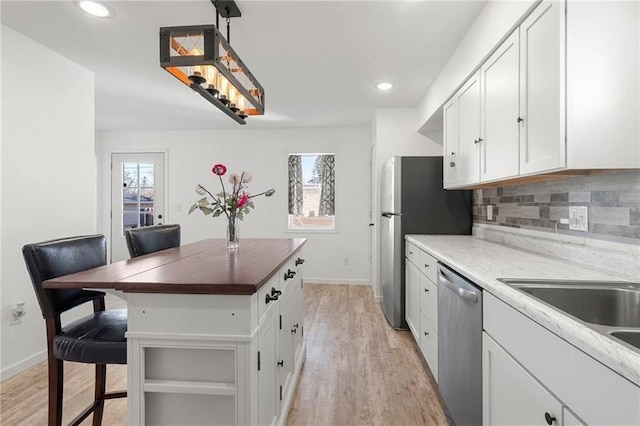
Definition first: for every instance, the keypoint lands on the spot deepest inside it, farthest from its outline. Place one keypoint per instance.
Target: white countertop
(484, 262)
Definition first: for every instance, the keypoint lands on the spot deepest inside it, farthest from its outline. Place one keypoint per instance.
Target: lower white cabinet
(412, 299)
(421, 303)
(528, 370)
(268, 402)
(510, 395)
(429, 345)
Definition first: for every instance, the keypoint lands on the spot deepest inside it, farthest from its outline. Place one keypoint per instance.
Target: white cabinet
(510, 395)
(542, 64)
(268, 402)
(421, 303)
(560, 93)
(412, 299)
(587, 389)
(217, 359)
(462, 154)
(499, 113)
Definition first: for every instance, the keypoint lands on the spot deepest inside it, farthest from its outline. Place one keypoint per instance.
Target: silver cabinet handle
(464, 293)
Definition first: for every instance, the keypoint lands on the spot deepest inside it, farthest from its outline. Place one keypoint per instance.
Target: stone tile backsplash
(613, 200)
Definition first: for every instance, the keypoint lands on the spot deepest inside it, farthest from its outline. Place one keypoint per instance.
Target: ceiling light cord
(228, 28)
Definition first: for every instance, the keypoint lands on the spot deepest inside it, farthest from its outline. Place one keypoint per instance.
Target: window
(312, 192)
(137, 195)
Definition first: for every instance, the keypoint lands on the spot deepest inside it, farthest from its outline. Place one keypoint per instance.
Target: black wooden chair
(150, 239)
(97, 339)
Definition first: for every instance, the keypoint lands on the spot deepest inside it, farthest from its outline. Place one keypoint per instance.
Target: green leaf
(217, 213)
(206, 210)
(203, 201)
(193, 208)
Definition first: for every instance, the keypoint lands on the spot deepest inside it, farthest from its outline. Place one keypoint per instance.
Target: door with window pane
(137, 196)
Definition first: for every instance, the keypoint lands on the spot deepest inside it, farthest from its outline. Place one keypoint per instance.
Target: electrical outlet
(579, 218)
(17, 313)
(489, 212)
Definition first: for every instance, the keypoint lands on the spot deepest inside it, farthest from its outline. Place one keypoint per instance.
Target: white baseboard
(336, 281)
(20, 366)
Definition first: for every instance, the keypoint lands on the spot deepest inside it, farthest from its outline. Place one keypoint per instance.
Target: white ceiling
(319, 61)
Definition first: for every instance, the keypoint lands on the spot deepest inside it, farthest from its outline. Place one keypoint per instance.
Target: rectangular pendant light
(200, 57)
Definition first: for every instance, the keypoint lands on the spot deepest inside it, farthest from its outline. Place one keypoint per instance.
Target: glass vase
(233, 235)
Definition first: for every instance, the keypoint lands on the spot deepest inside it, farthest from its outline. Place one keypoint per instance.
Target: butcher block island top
(203, 267)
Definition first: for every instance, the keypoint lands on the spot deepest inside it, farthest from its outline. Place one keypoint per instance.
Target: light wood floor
(358, 371)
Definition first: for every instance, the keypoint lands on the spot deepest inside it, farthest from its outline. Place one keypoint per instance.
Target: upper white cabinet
(499, 112)
(542, 135)
(462, 115)
(560, 93)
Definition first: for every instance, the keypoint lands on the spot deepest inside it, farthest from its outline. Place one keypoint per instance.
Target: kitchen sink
(615, 307)
(631, 337)
(608, 307)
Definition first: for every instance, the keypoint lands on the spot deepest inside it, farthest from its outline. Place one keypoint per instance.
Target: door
(268, 397)
(450, 125)
(468, 155)
(542, 108)
(511, 396)
(500, 104)
(137, 196)
(412, 299)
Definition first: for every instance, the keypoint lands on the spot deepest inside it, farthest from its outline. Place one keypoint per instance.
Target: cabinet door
(285, 343)
(412, 299)
(268, 402)
(297, 316)
(510, 395)
(468, 155)
(499, 113)
(542, 100)
(450, 143)
(570, 419)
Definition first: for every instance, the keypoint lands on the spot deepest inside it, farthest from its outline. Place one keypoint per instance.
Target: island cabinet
(421, 302)
(205, 355)
(532, 376)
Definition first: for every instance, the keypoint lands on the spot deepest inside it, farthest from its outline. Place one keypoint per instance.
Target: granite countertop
(484, 262)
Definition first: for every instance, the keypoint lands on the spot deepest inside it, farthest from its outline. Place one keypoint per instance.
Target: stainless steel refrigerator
(413, 201)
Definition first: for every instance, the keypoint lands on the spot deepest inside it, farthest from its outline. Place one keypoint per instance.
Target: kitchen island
(214, 336)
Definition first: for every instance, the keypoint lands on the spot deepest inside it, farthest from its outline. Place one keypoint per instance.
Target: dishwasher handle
(462, 292)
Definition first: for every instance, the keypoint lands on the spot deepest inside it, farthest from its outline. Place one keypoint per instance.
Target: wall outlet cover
(579, 218)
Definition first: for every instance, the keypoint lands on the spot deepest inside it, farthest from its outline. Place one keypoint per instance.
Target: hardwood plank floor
(358, 371)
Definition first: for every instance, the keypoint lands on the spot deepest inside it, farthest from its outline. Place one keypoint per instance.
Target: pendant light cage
(203, 59)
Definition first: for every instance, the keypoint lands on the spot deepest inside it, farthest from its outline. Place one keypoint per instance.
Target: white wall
(496, 20)
(48, 176)
(190, 156)
(395, 134)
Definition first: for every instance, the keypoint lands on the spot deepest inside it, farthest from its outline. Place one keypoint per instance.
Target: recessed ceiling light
(384, 86)
(95, 9)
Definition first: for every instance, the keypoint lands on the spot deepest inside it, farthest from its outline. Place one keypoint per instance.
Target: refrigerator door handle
(389, 214)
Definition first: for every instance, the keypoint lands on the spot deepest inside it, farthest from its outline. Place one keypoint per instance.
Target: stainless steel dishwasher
(460, 346)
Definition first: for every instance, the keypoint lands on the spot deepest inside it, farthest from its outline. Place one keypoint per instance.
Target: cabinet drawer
(428, 266)
(429, 345)
(264, 305)
(412, 253)
(429, 300)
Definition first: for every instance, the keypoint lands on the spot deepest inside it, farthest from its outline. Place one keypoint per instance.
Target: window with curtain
(312, 195)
